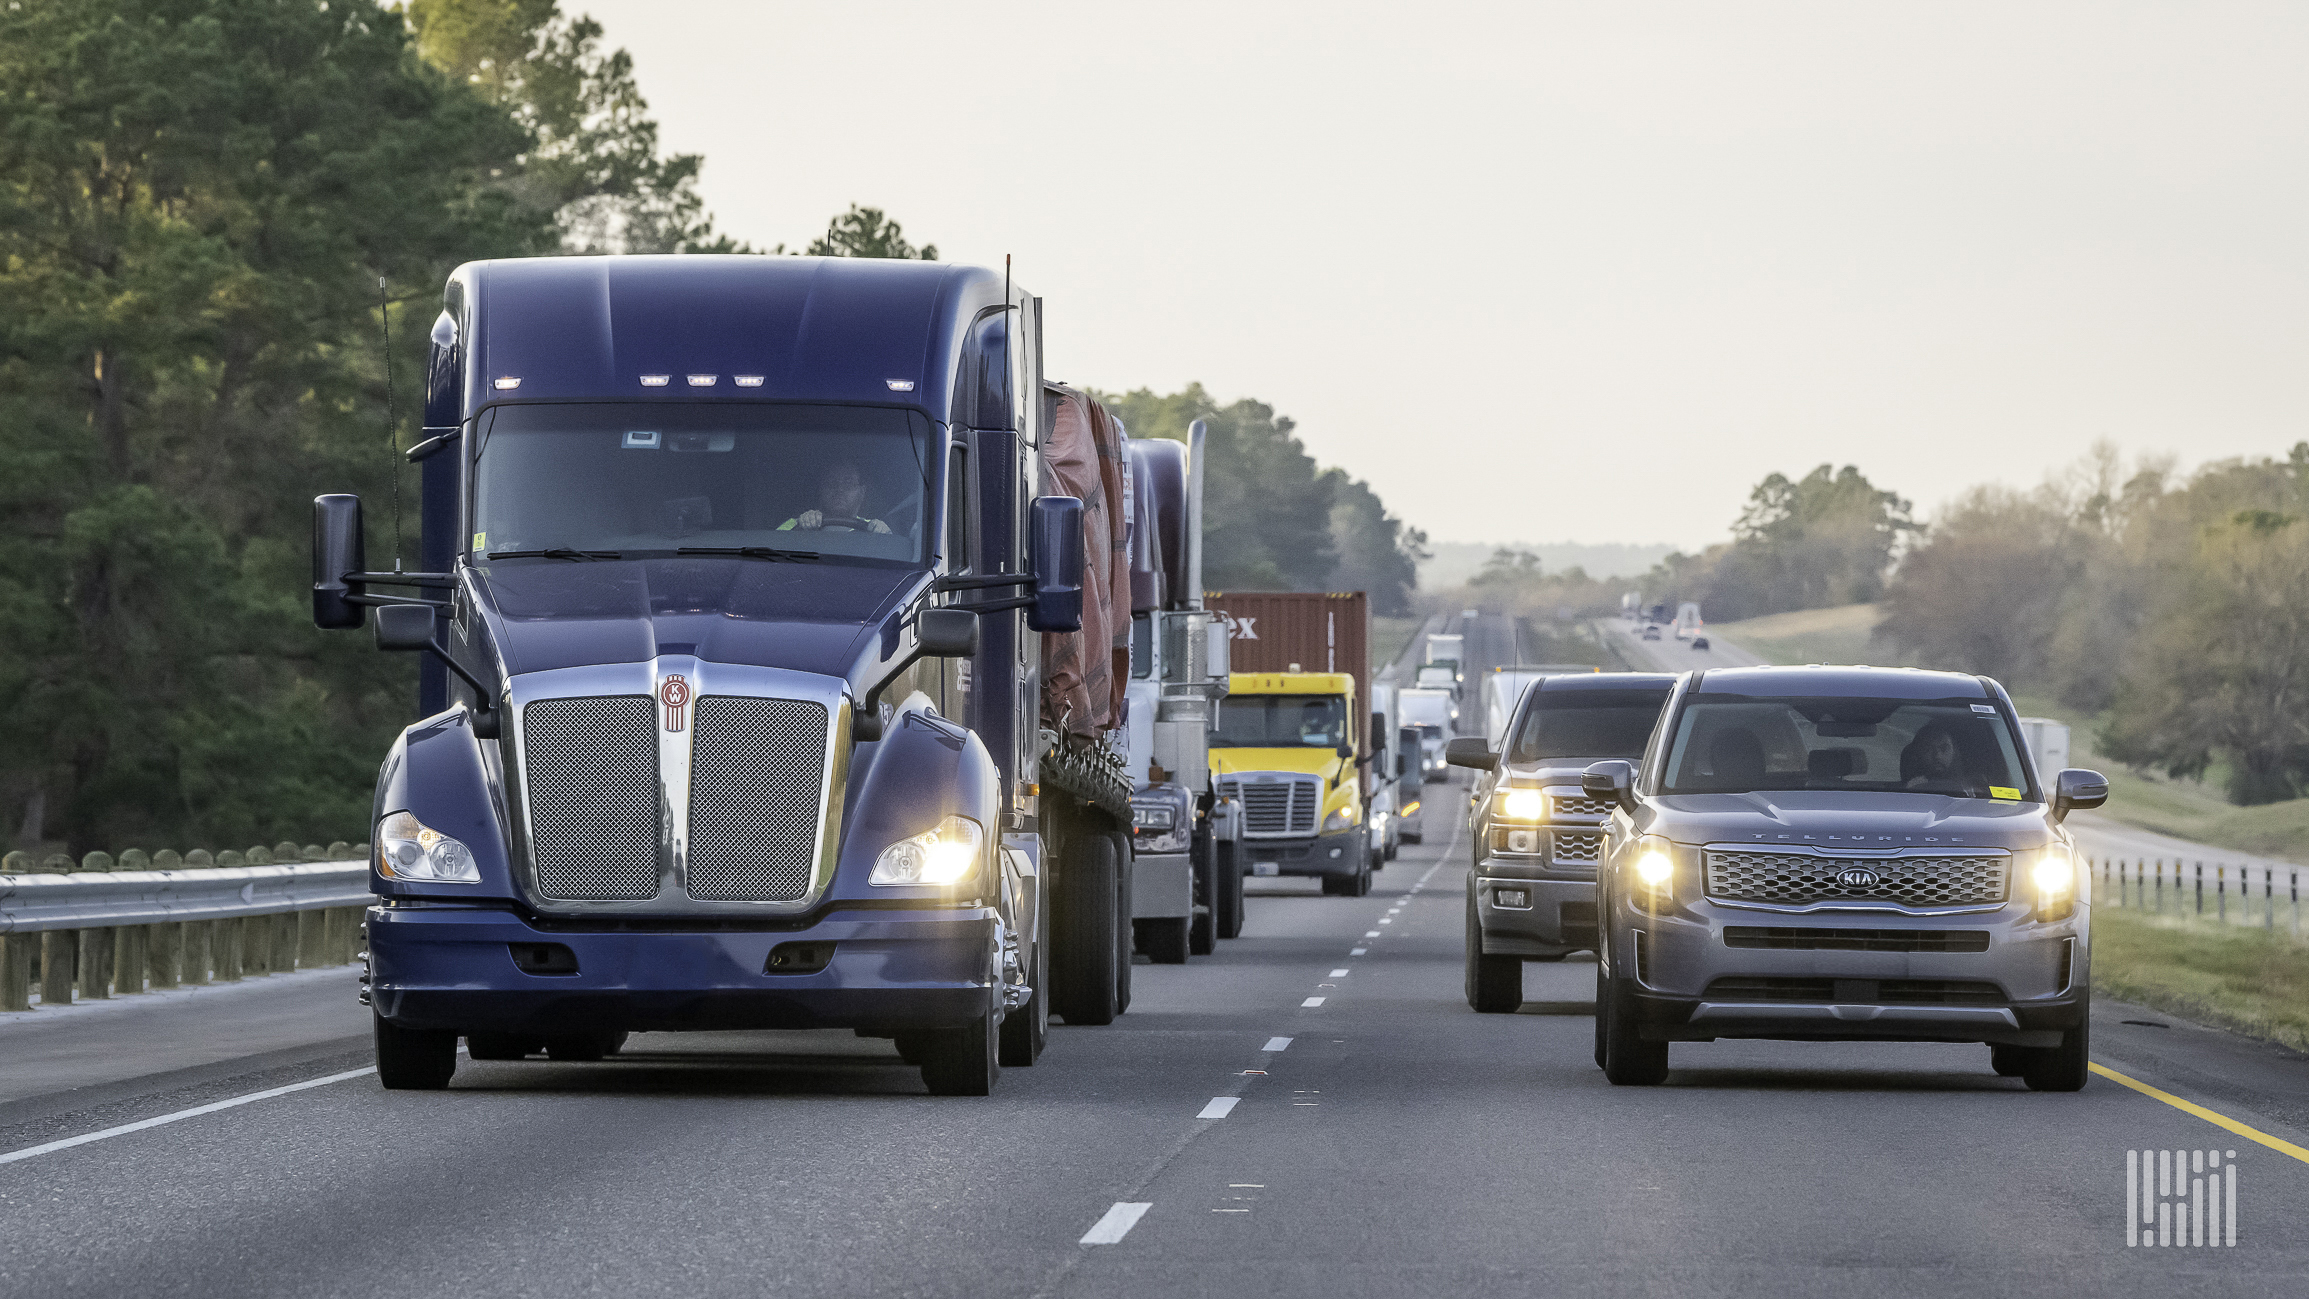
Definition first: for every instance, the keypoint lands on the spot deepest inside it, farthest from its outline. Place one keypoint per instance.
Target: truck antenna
(392, 421)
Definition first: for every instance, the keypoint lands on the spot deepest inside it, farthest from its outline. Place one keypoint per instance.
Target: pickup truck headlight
(946, 855)
(1655, 866)
(2054, 877)
(408, 849)
(1523, 805)
(1341, 818)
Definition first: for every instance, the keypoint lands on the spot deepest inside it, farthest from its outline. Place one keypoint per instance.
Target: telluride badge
(674, 694)
(1854, 877)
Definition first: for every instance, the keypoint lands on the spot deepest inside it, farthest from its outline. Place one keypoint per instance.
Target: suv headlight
(408, 849)
(946, 855)
(1655, 865)
(1523, 805)
(2054, 877)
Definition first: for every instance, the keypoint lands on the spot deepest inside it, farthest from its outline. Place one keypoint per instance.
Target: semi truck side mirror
(337, 550)
(2077, 790)
(1614, 780)
(404, 626)
(946, 633)
(1054, 548)
(1471, 751)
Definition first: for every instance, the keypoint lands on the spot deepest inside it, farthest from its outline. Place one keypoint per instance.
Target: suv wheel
(1494, 983)
(2062, 1068)
(2008, 1061)
(1628, 1060)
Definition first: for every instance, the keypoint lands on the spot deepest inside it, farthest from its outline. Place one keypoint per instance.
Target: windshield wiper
(557, 552)
(748, 552)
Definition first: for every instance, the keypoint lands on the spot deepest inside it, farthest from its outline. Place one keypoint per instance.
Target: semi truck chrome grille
(591, 767)
(1577, 847)
(757, 775)
(1801, 879)
(1277, 808)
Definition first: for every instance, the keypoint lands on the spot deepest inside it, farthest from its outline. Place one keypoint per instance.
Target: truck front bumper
(1531, 910)
(469, 969)
(1332, 854)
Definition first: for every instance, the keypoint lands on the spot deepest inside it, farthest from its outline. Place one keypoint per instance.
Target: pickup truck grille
(1801, 879)
(1580, 806)
(1577, 847)
(591, 767)
(1276, 808)
(758, 772)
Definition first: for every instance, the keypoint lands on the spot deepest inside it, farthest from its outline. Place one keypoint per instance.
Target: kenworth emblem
(674, 694)
(1854, 877)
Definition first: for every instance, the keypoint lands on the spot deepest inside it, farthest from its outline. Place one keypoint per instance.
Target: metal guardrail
(31, 904)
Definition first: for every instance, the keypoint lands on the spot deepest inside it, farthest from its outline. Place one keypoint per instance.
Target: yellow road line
(2278, 1144)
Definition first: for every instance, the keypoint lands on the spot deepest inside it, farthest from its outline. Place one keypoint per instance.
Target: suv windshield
(621, 479)
(1729, 744)
(1594, 724)
(1281, 722)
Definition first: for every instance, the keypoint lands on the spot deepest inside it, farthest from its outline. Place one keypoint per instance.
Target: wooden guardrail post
(312, 945)
(284, 953)
(15, 971)
(226, 937)
(59, 962)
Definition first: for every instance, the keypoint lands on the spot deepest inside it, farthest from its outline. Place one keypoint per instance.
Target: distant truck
(1423, 708)
(1502, 686)
(1688, 621)
(1293, 737)
(1178, 673)
(1447, 650)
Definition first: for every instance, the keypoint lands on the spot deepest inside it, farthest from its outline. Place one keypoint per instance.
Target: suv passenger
(1842, 853)
(1538, 834)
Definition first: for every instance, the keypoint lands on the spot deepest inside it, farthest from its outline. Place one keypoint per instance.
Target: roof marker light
(508, 383)
(900, 385)
(655, 380)
(703, 380)
(748, 380)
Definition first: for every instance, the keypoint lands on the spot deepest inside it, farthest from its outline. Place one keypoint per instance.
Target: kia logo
(1857, 878)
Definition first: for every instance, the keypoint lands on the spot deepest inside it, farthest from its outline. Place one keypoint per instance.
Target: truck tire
(1227, 912)
(2062, 1068)
(1167, 940)
(1125, 938)
(1083, 978)
(502, 1046)
(412, 1059)
(1203, 926)
(1026, 1030)
(584, 1048)
(1628, 1060)
(963, 1061)
(1494, 983)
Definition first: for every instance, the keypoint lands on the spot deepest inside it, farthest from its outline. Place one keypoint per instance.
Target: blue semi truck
(739, 585)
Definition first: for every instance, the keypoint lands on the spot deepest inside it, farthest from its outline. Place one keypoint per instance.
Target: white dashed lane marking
(1311, 1002)
(1277, 1044)
(1219, 1107)
(1358, 951)
(1338, 974)
(1116, 1224)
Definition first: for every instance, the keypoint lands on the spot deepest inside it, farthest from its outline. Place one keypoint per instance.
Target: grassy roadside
(1838, 635)
(1389, 638)
(2246, 980)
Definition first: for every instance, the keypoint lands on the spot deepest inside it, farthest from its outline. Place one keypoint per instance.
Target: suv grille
(758, 772)
(1857, 940)
(1275, 808)
(1882, 992)
(1799, 879)
(1579, 805)
(1577, 847)
(593, 805)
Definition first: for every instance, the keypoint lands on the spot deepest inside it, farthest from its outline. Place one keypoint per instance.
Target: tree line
(218, 218)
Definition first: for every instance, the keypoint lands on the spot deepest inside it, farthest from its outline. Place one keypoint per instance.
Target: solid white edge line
(195, 1112)
(1277, 1044)
(1219, 1107)
(1311, 1002)
(1110, 1229)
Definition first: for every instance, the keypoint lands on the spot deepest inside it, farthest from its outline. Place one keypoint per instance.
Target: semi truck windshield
(633, 480)
(1281, 722)
(1728, 744)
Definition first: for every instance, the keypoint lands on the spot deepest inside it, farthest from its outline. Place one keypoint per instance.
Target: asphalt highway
(1312, 1111)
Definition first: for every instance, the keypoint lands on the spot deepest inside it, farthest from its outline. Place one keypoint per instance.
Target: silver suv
(1821, 853)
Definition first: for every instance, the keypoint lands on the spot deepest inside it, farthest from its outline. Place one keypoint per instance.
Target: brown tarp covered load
(1114, 472)
(1078, 687)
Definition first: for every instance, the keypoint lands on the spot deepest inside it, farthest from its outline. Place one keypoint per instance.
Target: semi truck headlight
(408, 849)
(1523, 805)
(1341, 818)
(2055, 878)
(1655, 868)
(946, 855)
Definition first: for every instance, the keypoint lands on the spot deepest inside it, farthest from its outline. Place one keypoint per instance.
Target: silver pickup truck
(1820, 853)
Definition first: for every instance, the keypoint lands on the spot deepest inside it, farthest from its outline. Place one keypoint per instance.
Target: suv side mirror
(1471, 751)
(1615, 780)
(404, 626)
(337, 550)
(1054, 550)
(2076, 790)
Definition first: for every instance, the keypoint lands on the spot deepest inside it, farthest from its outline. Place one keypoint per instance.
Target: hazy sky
(1576, 271)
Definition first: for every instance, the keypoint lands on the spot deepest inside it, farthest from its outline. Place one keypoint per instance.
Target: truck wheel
(1628, 1060)
(1378, 859)
(2008, 1061)
(963, 1061)
(1125, 938)
(501, 1046)
(2062, 1068)
(1227, 913)
(584, 1048)
(1167, 941)
(1083, 954)
(413, 1059)
(1203, 926)
(1494, 983)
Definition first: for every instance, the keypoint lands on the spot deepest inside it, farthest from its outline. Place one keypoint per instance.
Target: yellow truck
(1289, 749)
